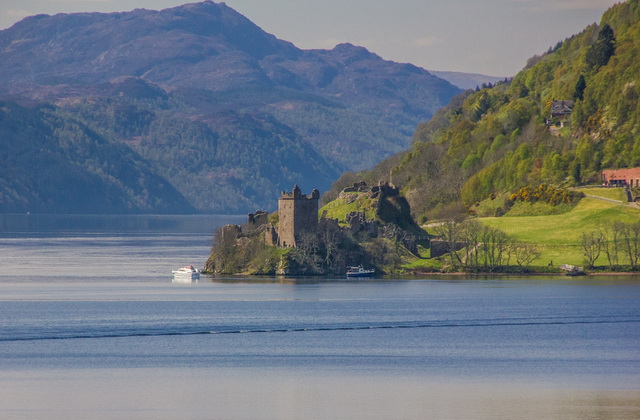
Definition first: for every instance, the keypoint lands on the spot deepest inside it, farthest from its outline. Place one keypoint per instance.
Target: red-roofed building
(621, 177)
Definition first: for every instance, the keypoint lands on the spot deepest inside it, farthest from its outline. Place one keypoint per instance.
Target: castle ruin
(298, 214)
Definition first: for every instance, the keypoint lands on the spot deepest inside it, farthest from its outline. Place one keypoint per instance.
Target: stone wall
(439, 247)
(298, 214)
(257, 219)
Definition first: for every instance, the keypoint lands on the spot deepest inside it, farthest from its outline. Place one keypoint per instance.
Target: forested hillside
(501, 138)
(222, 111)
(73, 169)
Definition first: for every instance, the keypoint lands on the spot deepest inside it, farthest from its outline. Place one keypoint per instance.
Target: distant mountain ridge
(226, 113)
(467, 80)
(177, 46)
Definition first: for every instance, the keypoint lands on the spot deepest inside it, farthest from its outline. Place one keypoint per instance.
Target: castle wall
(270, 236)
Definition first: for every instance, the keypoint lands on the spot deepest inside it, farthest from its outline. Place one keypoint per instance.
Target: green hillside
(73, 168)
(559, 237)
(501, 138)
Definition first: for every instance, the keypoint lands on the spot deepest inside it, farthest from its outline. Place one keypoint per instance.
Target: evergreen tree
(577, 173)
(581, 85)
(604, 47)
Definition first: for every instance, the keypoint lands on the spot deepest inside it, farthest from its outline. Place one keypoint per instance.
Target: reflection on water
(183, 280)
(64, 223)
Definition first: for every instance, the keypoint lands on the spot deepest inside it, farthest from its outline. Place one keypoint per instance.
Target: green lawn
(611, 193)
(558, 236)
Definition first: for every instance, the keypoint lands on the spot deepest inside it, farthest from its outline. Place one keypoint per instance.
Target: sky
(492, 37)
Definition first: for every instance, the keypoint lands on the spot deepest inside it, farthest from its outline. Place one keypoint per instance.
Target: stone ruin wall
(298, 214)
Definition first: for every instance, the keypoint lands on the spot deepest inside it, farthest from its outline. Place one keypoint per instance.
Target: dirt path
(635, 205)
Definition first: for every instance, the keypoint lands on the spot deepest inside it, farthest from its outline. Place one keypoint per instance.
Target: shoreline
(527, 274)
(409, 275)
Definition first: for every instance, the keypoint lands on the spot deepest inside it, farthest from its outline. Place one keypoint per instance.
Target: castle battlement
(296, 194)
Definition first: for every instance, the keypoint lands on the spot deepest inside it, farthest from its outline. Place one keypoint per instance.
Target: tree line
(619, 242)
(475, 247)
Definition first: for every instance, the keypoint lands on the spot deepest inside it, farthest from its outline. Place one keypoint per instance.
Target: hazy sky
(493, 37)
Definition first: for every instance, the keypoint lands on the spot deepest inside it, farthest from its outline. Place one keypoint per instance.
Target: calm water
(93, 327)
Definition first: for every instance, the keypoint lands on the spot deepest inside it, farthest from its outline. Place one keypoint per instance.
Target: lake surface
(93, 327)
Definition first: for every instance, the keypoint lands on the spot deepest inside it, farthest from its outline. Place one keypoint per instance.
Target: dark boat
(359, 271)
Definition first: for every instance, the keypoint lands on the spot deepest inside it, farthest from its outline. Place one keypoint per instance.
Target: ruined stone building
(297, 214)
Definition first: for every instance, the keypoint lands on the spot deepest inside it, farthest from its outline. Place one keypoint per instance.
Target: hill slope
(224, 112)
(497, 139)
(559, 236)
(73, 169)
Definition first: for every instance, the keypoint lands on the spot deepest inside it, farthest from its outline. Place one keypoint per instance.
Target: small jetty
(572, 270)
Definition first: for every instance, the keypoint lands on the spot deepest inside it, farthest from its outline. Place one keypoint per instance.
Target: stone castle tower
(298, 214)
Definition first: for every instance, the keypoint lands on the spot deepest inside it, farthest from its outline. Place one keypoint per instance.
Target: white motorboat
(188, 273)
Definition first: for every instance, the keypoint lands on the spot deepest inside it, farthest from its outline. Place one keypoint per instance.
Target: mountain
(225, 113)
(467, 80)
(511, 135)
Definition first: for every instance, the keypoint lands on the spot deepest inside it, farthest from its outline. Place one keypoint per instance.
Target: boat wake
(126, 333)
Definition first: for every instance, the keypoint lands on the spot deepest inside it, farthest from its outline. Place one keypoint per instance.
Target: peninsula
(370, 226)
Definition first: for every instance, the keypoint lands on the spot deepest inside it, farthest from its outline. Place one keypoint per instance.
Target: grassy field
(558, 236)
(610, 193)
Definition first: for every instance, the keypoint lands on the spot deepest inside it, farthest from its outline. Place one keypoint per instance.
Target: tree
(631, 242)
(450, 232)
(601, 51)
(306, 253)
(577, 176)
(397, 236)
(525, 253)
(472, 237)
(485, 246)
(611, 242)
(591, 247)
(581, 85)
(493, 246)
(224, 252)
(335, 244)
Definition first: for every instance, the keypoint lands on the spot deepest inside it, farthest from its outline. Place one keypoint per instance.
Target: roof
(559, 108)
